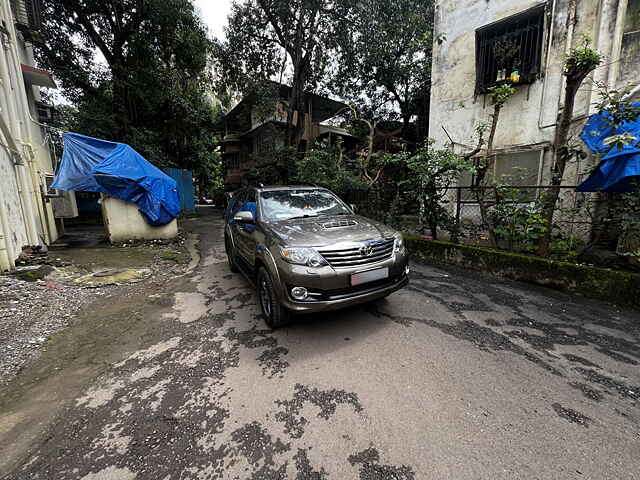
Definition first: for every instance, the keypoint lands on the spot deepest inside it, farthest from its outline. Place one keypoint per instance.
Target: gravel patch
(29, 313)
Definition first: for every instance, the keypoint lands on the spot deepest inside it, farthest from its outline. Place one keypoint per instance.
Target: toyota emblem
(366, 250)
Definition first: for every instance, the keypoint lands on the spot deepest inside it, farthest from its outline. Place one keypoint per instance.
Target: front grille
(339, 223)
(354, 256)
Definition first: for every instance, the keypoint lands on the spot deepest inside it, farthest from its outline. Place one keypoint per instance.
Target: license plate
(369, 276)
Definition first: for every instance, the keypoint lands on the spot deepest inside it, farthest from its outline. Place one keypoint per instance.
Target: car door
(234, 207)
(247, 232)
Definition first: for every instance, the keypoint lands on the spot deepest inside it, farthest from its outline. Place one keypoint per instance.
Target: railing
(515, 212)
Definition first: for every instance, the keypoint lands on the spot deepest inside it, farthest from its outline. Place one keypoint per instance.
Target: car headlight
(399, 243)
(303, 256)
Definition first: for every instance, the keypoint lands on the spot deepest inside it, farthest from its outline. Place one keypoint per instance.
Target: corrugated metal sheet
(184, 179)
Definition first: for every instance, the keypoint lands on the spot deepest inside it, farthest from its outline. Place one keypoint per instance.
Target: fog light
(406, 270)
(299, 293)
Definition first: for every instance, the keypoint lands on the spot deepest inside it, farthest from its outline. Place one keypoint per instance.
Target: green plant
(501, 94)
(519, 224)
(582, 58)
(324, 165)
(432, 172)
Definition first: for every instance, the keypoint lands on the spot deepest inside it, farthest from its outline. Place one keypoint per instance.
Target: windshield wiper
(301, 216)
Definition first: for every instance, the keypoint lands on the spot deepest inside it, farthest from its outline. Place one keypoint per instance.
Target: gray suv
(307, 251)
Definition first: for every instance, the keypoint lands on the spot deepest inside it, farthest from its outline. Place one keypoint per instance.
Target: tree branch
(92, 33)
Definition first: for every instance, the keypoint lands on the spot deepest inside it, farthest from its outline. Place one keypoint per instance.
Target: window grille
(512, 44)
(27, 14)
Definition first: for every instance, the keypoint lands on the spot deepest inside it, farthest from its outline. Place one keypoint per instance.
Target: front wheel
(275, 315)
(229, 251)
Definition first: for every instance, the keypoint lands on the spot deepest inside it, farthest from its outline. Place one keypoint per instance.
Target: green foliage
(516, 223)
(324, 166)
(618, 110)
(383, 60)
(285, 40)
(582, 59)
(431, 173)
(501, 94)
(152, 88)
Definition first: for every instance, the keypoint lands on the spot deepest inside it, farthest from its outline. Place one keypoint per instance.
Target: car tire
(229, 251)
(275, 315)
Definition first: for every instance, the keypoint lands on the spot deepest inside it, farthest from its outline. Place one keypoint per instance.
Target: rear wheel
(229, 251)
(275, 315)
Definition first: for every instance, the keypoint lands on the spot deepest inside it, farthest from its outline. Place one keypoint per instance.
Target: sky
(214, 13)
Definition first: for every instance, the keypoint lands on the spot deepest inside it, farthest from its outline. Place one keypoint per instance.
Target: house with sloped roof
(252, 132)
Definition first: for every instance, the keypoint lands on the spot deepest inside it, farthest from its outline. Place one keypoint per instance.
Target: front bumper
(331, 290)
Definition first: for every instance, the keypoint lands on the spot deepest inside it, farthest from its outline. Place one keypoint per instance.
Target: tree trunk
(561, 156)
(480, 192)
(120, 102)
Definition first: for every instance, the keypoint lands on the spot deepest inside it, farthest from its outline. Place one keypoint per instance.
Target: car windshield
(279, 205)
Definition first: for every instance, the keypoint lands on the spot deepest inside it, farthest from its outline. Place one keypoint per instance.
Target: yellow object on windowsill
(515, 76)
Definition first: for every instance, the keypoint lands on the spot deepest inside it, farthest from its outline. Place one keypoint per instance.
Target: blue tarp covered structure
(619, 170)
(115, 169)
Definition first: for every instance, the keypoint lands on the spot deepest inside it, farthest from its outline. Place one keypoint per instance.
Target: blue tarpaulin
(184, 179)
(619, 170)
(115, 169)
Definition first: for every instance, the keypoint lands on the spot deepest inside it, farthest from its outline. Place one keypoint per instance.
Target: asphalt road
(459, 376)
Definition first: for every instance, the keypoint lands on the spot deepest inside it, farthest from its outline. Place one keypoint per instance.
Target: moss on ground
(180, 257)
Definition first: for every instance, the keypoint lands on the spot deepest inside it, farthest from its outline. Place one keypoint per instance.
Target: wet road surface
(459, 376)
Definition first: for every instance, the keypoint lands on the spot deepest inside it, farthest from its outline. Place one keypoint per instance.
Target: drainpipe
(546, 68)
(6, 247)
(32, 168)
(24, 191)
(616, 48)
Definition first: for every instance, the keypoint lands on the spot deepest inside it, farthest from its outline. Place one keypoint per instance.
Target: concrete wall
(124, 222)
(528, 120)
(26, 217)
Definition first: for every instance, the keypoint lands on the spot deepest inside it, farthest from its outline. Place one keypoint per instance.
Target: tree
(580, 62)
(384, 58)
(136, 71)
(286, 39)
(500, 95)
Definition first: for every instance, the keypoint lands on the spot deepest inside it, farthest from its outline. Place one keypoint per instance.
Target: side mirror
(243, 217)
(353, 207)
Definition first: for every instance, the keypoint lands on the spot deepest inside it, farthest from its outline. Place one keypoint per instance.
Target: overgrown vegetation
(135, 71)
(431, 172)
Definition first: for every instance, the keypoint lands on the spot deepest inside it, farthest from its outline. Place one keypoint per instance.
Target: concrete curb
(599, 283)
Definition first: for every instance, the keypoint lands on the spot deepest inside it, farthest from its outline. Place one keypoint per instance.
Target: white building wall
(529, 118)
(26, 217)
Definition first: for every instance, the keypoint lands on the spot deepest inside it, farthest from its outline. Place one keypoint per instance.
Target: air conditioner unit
(27, 15)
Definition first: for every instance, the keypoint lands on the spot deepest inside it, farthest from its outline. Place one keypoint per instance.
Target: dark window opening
(232, 160)
(508, 46)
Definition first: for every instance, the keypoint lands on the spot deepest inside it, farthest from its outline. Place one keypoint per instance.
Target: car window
(281, 205)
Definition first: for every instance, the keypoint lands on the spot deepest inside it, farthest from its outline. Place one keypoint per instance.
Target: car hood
(328, 230)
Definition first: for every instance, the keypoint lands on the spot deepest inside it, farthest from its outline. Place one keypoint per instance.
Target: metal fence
(573, 220)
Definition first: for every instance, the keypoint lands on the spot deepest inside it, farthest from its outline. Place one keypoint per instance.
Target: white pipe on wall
(6, 246)
(12, 94)
(616, 48)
